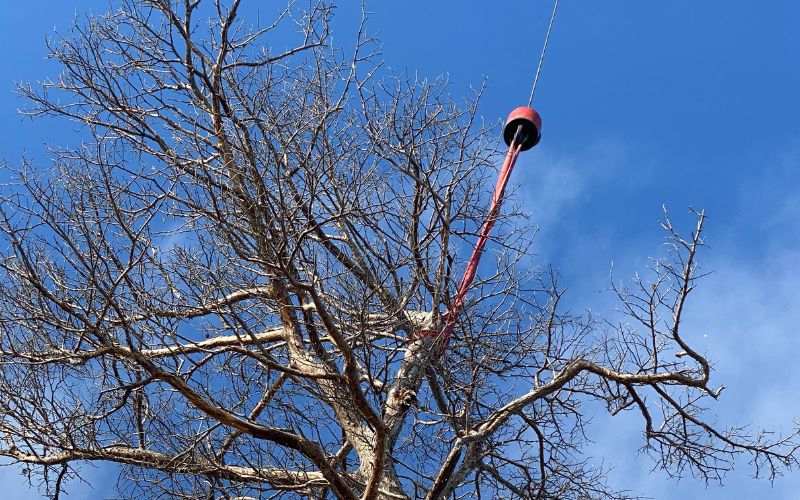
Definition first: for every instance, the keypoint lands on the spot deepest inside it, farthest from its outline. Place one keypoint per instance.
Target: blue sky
(644, 103)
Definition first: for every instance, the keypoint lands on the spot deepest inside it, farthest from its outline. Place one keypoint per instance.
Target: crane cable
(515, 146)
(544, 52)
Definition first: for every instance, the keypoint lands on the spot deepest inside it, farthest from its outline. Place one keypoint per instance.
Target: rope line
(451, 315)
(544, 51)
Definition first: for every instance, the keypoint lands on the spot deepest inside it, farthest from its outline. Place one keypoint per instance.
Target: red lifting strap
(522, 132)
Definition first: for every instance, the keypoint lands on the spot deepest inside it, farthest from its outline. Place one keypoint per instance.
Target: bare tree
(222, 288)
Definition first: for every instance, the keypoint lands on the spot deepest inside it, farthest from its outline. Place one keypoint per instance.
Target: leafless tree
(222, 288)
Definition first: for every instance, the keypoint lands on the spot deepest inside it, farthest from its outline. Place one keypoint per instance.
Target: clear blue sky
(644, 103)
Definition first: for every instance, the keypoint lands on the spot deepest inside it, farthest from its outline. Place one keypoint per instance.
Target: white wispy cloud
(746, 318)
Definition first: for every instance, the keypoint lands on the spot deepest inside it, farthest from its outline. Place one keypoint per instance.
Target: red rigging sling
(522, 131)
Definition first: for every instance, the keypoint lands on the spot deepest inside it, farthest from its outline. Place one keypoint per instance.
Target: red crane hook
(522, 131)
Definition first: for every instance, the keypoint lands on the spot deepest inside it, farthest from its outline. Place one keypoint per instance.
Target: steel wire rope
(544, 52)
(452, 313)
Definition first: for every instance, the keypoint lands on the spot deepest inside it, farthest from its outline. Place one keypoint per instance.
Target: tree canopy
(222, 288)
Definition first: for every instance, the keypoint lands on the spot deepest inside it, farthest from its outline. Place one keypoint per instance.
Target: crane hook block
(531, 131)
